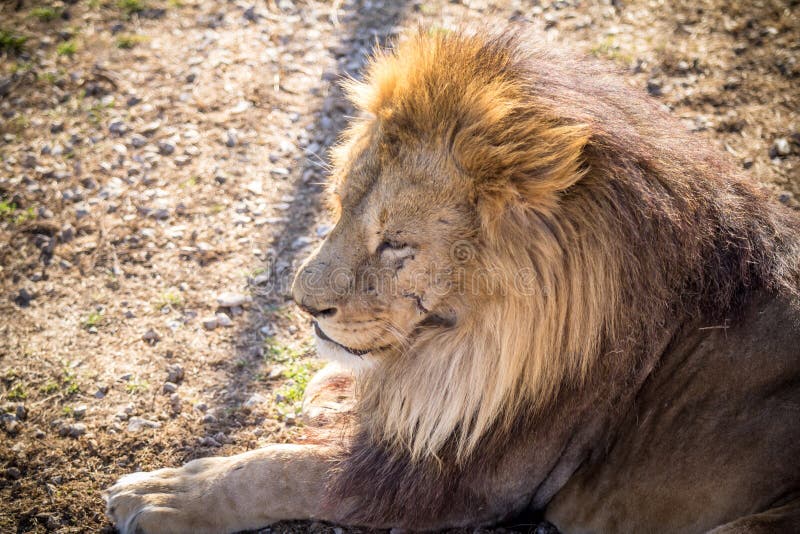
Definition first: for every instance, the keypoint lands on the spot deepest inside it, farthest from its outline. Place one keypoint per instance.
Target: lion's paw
(165, 501)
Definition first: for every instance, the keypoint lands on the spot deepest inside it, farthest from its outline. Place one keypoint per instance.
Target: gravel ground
(160, 172)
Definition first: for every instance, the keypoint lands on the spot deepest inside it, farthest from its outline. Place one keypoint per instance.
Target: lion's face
(391, 264)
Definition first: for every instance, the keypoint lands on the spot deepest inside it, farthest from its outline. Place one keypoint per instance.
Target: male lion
(566, 305)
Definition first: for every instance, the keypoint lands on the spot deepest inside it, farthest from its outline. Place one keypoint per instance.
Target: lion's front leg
(217, 495)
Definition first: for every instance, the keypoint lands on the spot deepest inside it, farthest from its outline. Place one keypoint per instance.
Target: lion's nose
(317, 312)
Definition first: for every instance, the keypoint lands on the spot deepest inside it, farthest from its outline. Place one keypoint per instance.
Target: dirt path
(160, 178)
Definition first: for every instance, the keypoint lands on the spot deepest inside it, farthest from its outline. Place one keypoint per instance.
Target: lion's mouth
(323, 336)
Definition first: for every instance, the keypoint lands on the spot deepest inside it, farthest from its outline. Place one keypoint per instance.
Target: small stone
(21, 412)
(255, 400)
(255, 187)
(231, 139)
(209, 442)
(191, 77)
(175, 373)
(655, 87)
(151, 127)
(250, 14)
(169, 387)
(39, 433)
(301, 242)
(132, 101)
(13, 473)
(220, 437)
(56, 127)
(159, 214)
(76, 430)
(732, 83)
(29, 161)
(230, 299)
(11, 425)
(780, 148)
(101, 392)
(151, 336)
(138, 141)
(323, 230)
(209, 419)
(79, 411)
(210, 323)
(135, 424)
(784, 198)
(67, 234)
(118, 128)
(23, 298)
(267, 330)
(223, 320)
(165, 149)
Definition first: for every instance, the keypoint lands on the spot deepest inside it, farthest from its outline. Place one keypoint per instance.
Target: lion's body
(712, 435)
(568, 304)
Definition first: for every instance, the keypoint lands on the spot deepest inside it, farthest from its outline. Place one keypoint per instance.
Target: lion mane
(628, 223)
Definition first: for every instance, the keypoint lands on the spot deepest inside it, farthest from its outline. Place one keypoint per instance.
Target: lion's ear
(522, 160)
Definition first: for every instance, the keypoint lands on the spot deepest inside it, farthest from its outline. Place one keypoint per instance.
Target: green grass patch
(130, 7)
(7, 209)
(50, 388)
(69, 382)
(170, 298)
(10, 213)
(50, 78)
(191, 182)
(130, 40)
(275, 351)
(609, 49)
(67, 48)
(18, 124)
(93, 320)
(45, 13)
(11, 42)
(17, 393)
(136, 386)
(297, 375)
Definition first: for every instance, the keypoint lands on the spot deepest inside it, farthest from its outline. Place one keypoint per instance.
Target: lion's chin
(330, 351)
